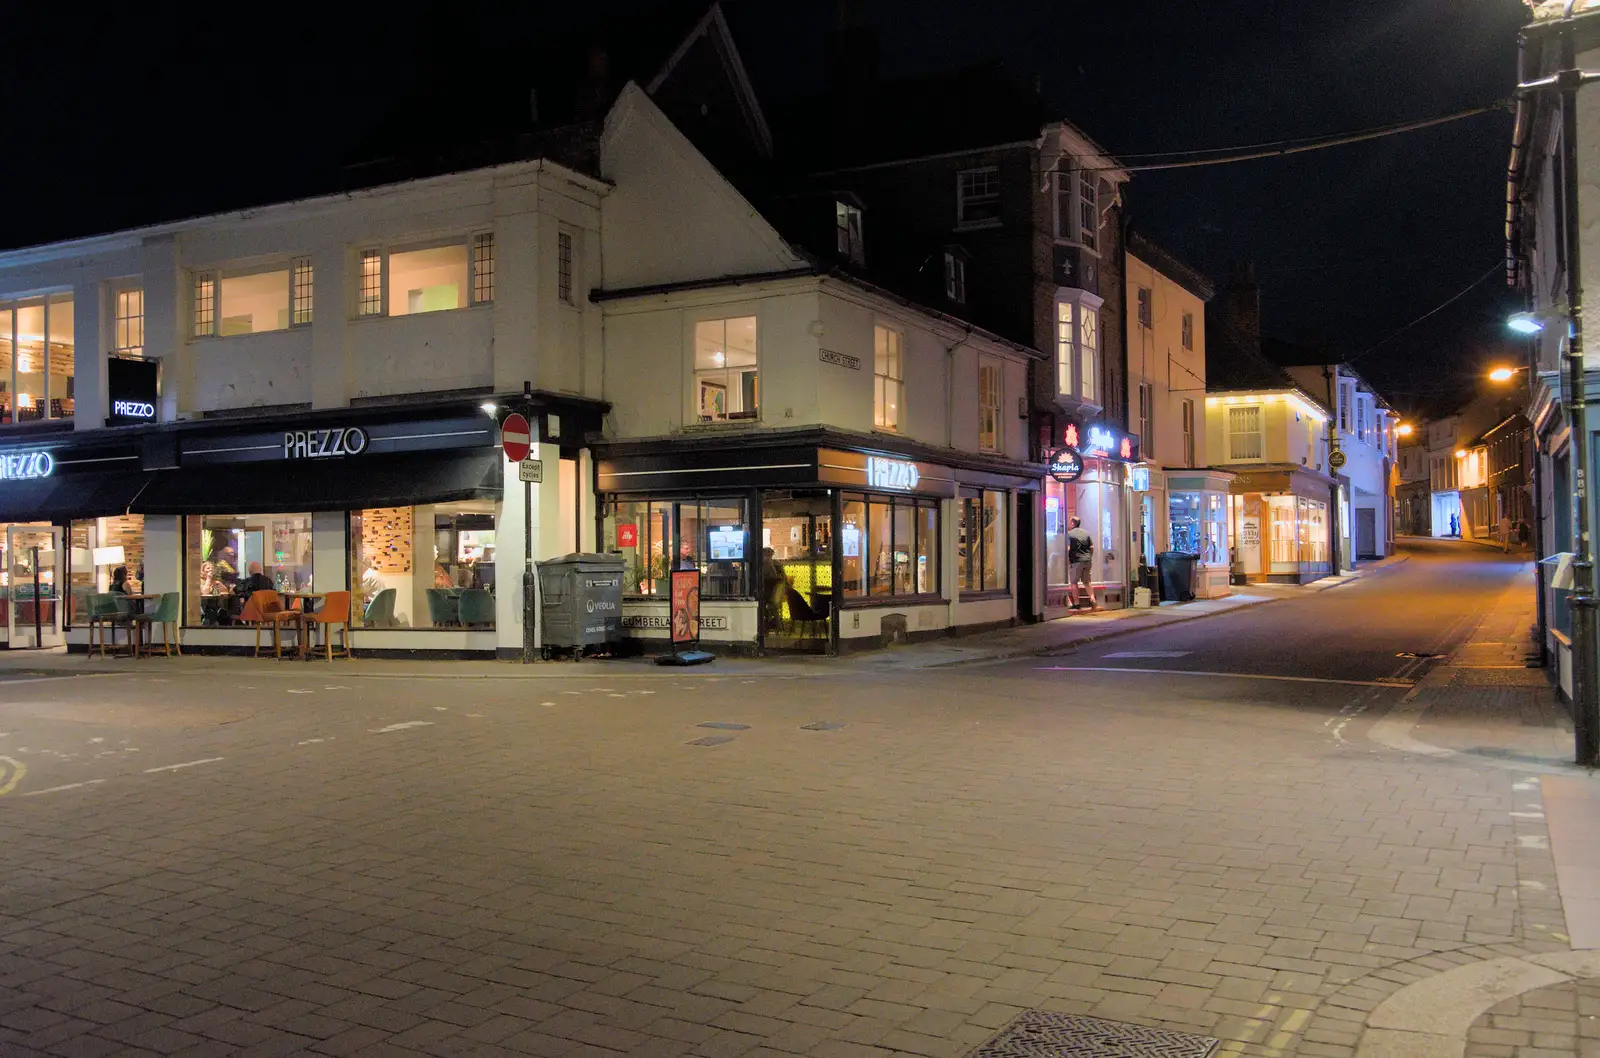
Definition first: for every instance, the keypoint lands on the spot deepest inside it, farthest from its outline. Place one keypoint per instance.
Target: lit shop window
(229, 302)
(36, 360)
(726, 387)
(429, 566)
(405, 281)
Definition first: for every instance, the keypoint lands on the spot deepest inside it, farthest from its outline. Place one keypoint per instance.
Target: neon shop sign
(25, 466)
(1102, 442)
(897, 474)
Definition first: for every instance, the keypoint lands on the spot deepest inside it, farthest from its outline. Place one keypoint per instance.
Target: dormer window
(955, 276)
(847, 220)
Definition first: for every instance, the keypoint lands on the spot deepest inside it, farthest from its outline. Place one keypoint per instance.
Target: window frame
(881, 380)
(955, 277)
(1188, 432)
(1146, 307)
(1147, 415)
(473, 241)
(1259, 433)
(892, 502)
(1187, 337)
(699, 502)
(722, 314)
(121, 321)
(974, 559)
(48, 304)
(565, 259)
(1076, 190)
(965, 201)
(849, 237)
(991, 436)
(293, 268)
(1077, 366)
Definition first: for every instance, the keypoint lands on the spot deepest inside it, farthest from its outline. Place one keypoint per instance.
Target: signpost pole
(530, 576)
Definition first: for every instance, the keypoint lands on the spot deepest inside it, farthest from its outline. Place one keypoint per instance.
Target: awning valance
(64, 497)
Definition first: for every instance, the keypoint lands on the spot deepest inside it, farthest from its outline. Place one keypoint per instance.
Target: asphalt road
(285, 858)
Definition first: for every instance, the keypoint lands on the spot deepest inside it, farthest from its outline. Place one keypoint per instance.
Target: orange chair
(335, 611)
(264, 609)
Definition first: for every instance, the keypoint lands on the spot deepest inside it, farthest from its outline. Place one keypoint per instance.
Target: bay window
(726, 387)
(1077, 206)
(1077, 347)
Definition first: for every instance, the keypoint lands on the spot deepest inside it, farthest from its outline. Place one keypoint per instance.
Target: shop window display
(99, 548)
(981, 547)
(656, 537)
(429, 566)
(889, 546)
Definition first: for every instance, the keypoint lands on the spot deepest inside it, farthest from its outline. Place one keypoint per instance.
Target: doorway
(1367, 532)
(33, 575)
(797, 591)
(1027, 509)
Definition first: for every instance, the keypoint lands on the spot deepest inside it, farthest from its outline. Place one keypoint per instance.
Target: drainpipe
(1333, 492)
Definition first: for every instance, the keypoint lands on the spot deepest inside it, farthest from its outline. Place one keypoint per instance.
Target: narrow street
(259, 858)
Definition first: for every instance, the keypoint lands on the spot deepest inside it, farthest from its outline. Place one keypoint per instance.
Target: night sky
(158, 116)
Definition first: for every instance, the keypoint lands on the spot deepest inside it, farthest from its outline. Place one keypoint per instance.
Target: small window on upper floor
(431, 277)
(847, 223)
(991, 395)
(955, 277)
(128, 338)
(1077, 206)
(564, 267)
(1146, 313)
(1188, 330)
(978, 197)
(227, 302)
(888, 377)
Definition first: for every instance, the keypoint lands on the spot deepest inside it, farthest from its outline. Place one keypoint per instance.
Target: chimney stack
(1241, 304)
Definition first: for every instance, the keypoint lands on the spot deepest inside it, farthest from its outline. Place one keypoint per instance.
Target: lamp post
(1585, 700)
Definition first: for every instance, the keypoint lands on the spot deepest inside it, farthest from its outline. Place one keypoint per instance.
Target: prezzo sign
(897, 474)
(25, 466)
(133, 409)
(317, 444)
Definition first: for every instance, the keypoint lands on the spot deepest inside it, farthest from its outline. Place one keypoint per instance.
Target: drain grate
(820, 725)
(1041, 1034)
(710, 740)
(723, 725)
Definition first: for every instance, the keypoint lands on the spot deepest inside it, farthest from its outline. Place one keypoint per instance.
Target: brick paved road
(286, 859)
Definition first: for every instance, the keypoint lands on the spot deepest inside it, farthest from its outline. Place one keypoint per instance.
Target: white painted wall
(1156, 355)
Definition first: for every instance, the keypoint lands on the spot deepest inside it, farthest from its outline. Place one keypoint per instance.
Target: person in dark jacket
(256, 581)
(119, 581)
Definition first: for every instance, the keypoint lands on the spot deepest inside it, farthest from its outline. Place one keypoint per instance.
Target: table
(133, 626)
(307, 599)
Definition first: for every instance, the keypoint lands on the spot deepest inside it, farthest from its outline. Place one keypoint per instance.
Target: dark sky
(162, 115)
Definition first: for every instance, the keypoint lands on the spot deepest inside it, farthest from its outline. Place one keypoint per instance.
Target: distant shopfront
(811, 541)
(1280, 525)
(1100, 494)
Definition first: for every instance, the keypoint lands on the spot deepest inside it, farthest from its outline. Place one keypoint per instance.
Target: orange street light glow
(1501, 374)
(1405, 429)
(1461, 453)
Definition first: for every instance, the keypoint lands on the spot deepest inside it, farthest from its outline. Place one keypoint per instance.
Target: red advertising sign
(685, 606)
(515, 437)
(628, 535)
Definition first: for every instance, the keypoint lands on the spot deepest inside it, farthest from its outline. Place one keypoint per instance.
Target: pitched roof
(1168, 264)
(1233, 362)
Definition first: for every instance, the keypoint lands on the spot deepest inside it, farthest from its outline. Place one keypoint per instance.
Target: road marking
(1225, 675)
(18, 770)
(401, 726)
(58, 789)
(1150, 654)
(293, 691)
(311, 741)
(185, 764)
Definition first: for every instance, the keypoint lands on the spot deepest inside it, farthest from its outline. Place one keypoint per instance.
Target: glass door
(797, 596)
(33, 609)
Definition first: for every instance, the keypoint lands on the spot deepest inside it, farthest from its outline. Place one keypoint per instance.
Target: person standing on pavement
(1080, 563)
(1505, 532)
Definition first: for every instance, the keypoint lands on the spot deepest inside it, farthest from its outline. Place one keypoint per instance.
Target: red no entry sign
(515, 437)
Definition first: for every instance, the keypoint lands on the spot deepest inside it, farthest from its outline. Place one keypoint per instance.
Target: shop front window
(430, 566)
(894, 542)
(1055, 531)
(1215, 527)
(223, 551)
(656, 537)
(797, 566)
(982, 542)
(1184, 522)
(1313, 531)
(1285, 555)
(105, 554)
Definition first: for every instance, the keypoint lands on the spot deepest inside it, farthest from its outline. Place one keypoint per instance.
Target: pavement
(1199, 827)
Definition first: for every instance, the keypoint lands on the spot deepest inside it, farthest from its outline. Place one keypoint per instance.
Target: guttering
(600, 295)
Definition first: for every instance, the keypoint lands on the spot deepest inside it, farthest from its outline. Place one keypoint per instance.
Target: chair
(476, 608)
(380, 611)
(264, 609)
(443, 608)
(167, 616)
(108, 610)
(335, 611)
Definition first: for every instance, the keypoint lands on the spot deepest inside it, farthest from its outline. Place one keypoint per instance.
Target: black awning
(65, 497)
(335, 484)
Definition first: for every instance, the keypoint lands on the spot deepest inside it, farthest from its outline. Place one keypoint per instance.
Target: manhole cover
(1413, 654)
(711, 740)
(1041, 1034)
(723, 725)
(820, 725)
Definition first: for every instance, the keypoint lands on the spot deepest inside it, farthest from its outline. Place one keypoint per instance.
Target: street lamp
(1405, 429)
(1525, 323)
(1504, 374)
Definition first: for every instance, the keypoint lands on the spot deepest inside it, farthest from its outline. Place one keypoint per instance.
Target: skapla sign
(25, 466)
(897, 474)
(1066, 465)
(319, 444)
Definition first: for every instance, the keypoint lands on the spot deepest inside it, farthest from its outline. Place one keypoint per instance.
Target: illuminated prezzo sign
(133, 409)
(315, 444)
(25, 466)
(892, 474)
